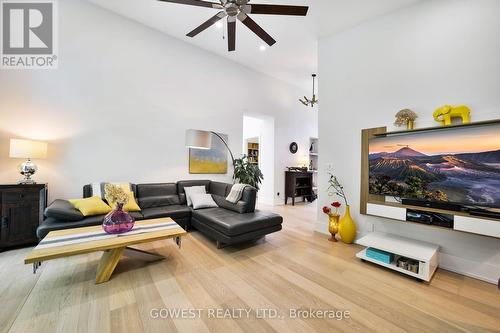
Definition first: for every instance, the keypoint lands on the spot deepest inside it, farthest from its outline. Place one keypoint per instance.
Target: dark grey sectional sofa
(227, 224)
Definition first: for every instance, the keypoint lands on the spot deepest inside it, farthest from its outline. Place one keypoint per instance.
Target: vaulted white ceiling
(292, 59)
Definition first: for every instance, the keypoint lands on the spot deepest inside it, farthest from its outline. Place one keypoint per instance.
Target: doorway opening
(258, 145)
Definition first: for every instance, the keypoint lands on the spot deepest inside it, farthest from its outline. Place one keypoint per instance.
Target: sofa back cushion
(246, 203)
(157, 195)
(218, 188)
(165, 194)
(87, 190)
(188, 183)
(239, 207)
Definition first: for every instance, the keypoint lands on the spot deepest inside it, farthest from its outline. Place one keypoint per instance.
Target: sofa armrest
(63, 210)
(250, 198)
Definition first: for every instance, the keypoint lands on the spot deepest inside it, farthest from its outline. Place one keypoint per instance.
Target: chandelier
(310, 102)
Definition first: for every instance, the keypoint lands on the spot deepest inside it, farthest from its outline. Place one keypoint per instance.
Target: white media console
(425, 253)
(476, 225)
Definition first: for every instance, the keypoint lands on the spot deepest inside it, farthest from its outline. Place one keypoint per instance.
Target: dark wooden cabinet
(298, 184)
(21, 211)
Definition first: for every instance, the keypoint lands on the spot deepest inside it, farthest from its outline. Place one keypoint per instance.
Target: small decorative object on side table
(333, 219)
(406, 118)
(117, 221)
(27, 149)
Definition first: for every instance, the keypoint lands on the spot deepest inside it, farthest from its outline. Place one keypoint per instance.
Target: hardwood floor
(292, 269)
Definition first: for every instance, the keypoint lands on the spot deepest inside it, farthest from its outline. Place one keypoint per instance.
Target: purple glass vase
(118, 221)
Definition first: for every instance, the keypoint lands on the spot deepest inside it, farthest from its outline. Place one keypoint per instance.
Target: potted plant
(347, 228)
(406, 118)
(247, 173)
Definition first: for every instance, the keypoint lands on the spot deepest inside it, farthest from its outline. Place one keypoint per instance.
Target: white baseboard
(265, 201)
(477, 270)
(321, 227)
(279, 202)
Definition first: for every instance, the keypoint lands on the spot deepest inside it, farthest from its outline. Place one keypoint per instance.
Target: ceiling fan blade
(231, 34)
(252, 25)
(198, 3)
(279, 10)
(207, 23)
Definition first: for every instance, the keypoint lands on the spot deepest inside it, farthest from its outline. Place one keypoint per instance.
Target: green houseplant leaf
(247, 173)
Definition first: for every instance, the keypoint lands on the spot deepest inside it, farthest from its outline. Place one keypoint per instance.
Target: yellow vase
(347, 228)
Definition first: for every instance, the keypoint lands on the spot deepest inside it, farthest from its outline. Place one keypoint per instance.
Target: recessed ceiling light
(218, 25)
(262, 48)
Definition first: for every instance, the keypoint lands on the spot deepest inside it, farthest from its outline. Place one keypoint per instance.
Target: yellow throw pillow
(131, 205)
(90, 206)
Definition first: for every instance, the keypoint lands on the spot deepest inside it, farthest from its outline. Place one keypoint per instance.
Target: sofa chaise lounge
(227, 224)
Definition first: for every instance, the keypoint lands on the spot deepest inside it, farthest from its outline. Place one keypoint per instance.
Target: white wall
(119, 104)
(289, 128)
(421, 57)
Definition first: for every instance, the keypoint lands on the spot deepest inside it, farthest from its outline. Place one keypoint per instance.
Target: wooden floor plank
(14, 291)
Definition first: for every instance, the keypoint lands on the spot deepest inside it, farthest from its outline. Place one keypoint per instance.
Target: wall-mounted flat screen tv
(459, 165)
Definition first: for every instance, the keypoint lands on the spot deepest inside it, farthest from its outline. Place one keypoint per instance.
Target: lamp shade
(198, 139)
(27, 149)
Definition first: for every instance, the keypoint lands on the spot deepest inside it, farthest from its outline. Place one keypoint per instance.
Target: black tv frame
(445, 205)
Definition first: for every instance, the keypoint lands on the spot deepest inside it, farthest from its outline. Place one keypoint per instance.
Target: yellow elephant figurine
(445, 114)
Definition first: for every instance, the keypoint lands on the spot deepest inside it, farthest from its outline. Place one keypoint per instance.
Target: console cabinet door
(19, 218)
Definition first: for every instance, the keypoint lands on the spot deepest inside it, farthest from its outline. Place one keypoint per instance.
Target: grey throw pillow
(192, 190)
(202, 200)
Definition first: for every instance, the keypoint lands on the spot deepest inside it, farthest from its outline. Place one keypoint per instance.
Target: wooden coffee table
(70, 242)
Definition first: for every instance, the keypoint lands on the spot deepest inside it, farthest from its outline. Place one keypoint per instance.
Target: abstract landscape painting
(209, 161)
(460, 165)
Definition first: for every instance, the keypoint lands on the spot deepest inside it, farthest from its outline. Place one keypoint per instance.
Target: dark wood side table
(298, 184)
(21, 211)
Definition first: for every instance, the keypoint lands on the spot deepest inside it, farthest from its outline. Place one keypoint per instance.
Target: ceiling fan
(239, 9)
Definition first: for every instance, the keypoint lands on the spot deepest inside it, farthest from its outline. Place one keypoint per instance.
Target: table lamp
(27, 149)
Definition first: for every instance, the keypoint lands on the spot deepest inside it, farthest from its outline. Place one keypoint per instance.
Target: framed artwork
(209, 161)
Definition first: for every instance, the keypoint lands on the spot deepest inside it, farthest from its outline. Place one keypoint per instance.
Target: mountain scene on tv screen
(420, 167)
